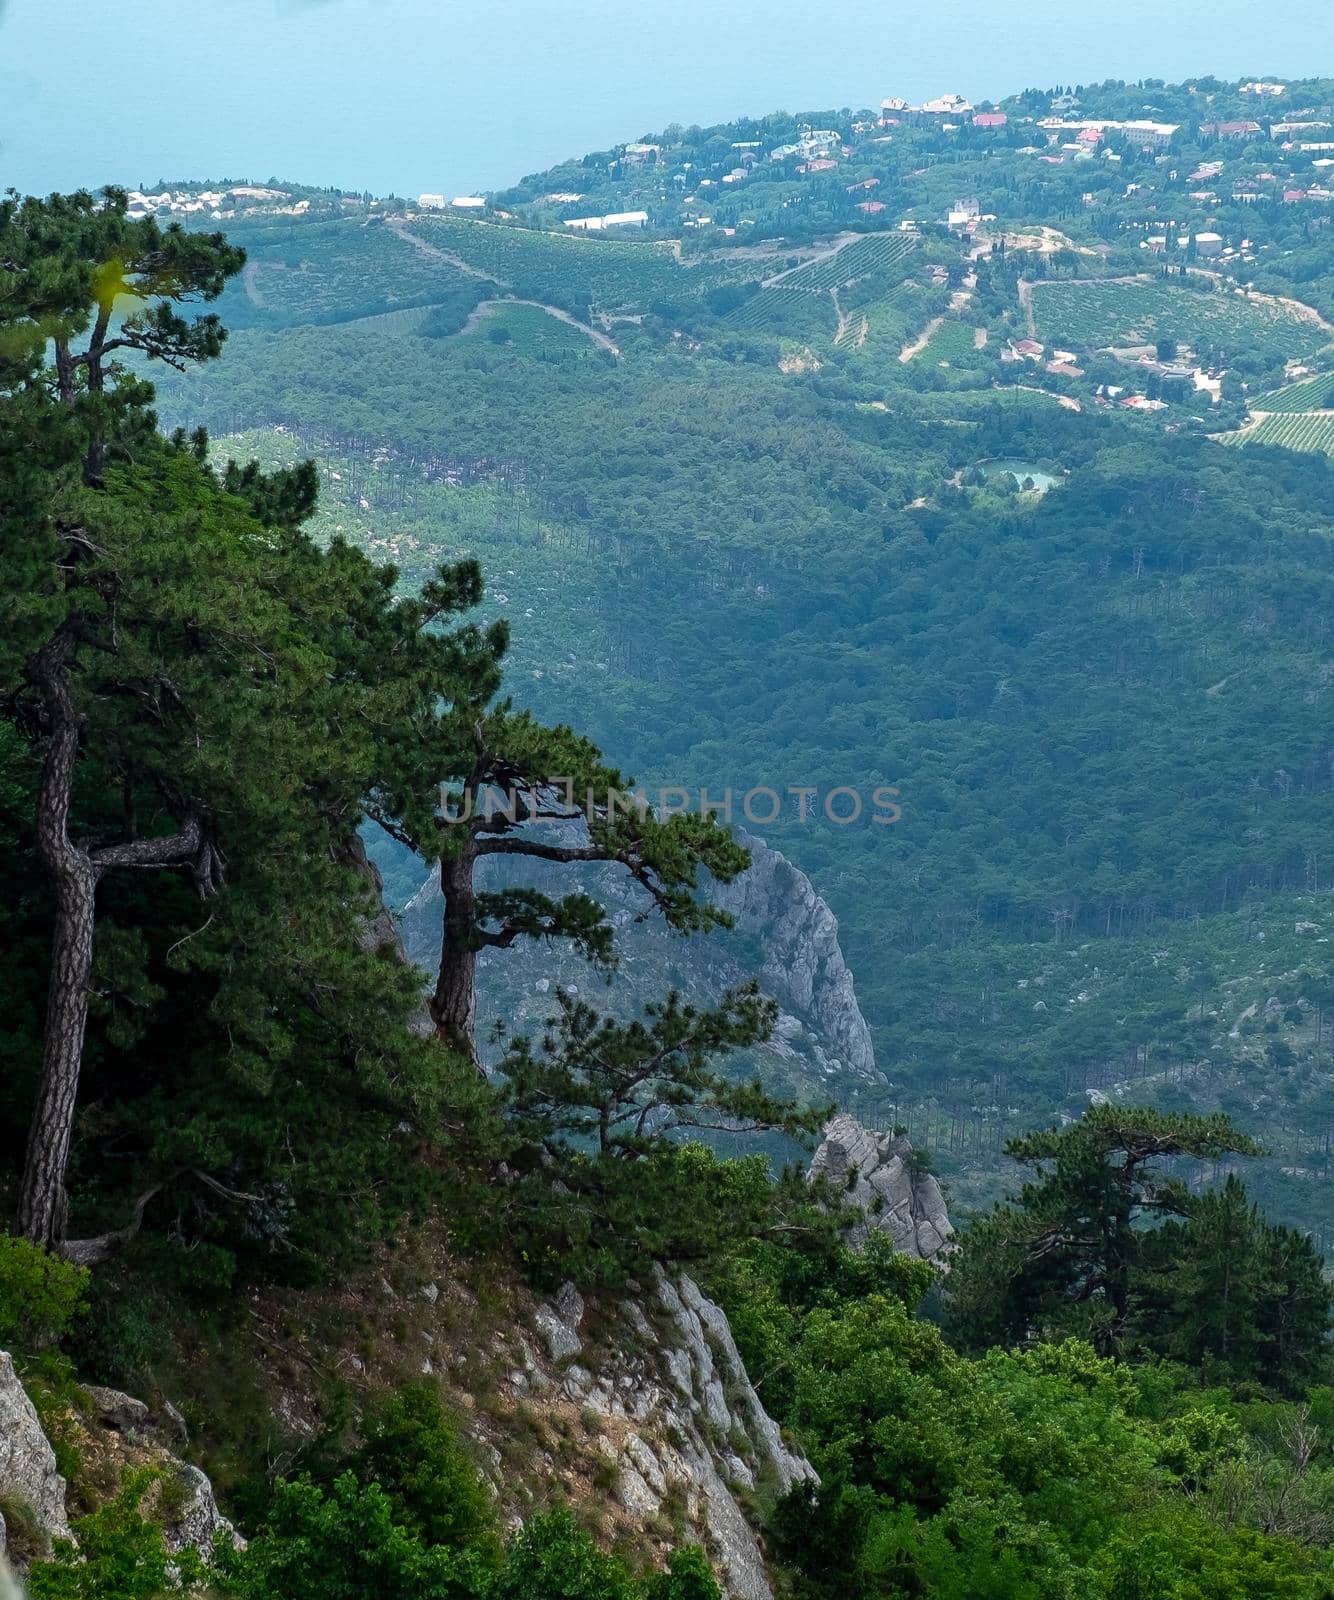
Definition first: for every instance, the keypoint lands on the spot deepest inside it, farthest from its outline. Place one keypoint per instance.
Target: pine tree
(209, 693)
(526, 792)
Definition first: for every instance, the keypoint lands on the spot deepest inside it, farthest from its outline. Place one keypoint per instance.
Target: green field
(807, 313)
(1095, 314)
(1311, 431)
(952, 343)
(1315, 394)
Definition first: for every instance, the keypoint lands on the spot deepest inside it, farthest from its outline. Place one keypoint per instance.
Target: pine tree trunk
(43, 1208)
(454, 1004)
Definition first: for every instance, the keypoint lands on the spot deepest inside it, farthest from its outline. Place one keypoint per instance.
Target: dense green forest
(282, 608)
(758, 548)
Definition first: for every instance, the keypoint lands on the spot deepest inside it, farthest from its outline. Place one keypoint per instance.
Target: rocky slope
(108, 1432)
(634, 1410)
(677, 1419)
(785, 935)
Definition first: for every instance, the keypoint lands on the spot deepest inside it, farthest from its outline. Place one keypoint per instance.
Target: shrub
(119, 1556)
(412, 1453)
(40, 1295)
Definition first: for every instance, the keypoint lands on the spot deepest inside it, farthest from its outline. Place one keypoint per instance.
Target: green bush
(343, 1546)
(40, 1295)
(119, 1556)
(412, 1453)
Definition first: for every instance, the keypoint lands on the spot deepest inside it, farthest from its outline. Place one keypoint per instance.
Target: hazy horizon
(406, 95)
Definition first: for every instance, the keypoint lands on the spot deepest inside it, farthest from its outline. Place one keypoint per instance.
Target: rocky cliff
(108, 1432)
(785, 935)
(882, 1175)
(675, 1416)
(633, 1409)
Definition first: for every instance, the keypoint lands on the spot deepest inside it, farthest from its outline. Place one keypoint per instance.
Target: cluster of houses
(1091, 131)
(1180, 375)
(240, 199)
(460, 202)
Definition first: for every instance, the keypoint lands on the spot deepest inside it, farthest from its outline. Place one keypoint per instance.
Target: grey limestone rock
(877, 1172)
(27, 1461)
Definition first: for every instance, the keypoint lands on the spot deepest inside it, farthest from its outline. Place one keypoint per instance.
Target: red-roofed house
(1290, 196)
(1231, 130)
(990, 119)
(871, 207)
(818, 166)
(866, 183)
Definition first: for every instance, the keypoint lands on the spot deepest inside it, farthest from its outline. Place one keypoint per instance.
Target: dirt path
(429, 249)
(915, 346)
(250, 283)
(1026, 305)
(844, 320)
(480, 312)
(825, 255)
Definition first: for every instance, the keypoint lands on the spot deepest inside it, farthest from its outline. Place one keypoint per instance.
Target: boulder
(116, 1410)
(558, 1323)
(195, 1520)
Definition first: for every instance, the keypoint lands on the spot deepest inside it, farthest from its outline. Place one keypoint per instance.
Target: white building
(469, 202)
(614, 219)
(431, 202)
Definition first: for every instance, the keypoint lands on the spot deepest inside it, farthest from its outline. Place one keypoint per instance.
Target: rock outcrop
(28, 1471)
(879, 1173)
(785, 935)
(803, 966)
(118, 1432)
(679, 1420)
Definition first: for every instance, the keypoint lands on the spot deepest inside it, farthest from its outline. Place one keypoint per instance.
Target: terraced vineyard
(784, 310)
(613, 274)
(534, 332)
(324, 272)
(867, 274)
(1095, 314)
(1315, 394)
(1311, 431)
(953, 342)
(874, 253)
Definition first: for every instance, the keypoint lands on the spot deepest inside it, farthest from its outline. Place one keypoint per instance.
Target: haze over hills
(878, 450)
